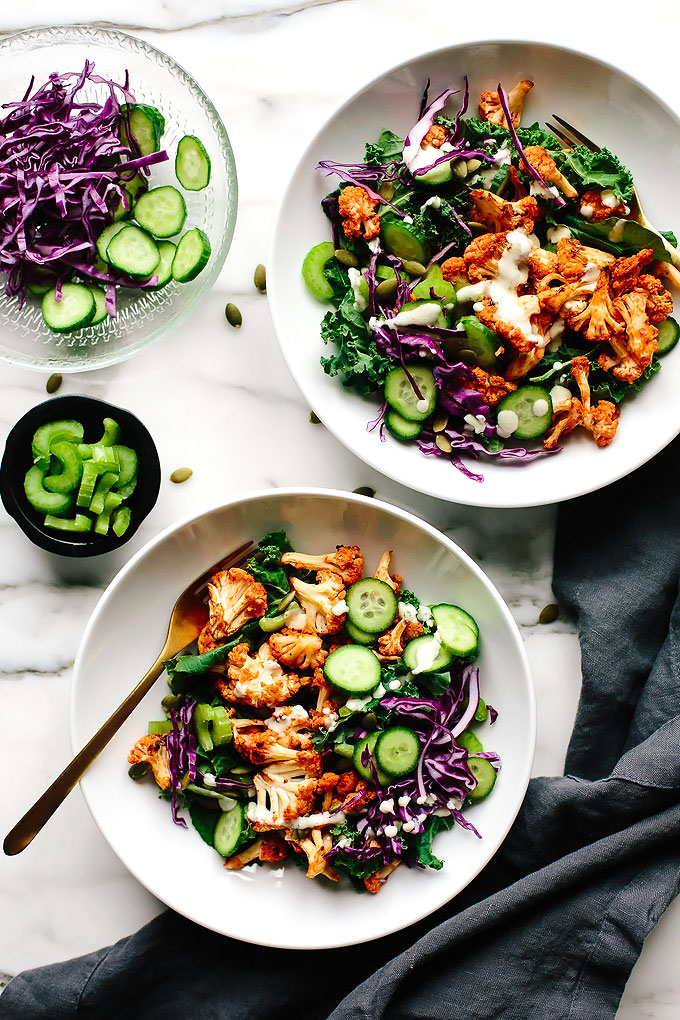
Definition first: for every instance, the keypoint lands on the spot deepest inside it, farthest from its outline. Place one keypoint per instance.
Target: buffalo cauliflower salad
(327, 716)
(490, 285)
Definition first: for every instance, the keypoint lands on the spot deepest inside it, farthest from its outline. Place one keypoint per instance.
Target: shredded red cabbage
(181, 746)
(557, 198)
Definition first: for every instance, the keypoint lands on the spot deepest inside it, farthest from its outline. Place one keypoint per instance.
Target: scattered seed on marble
(386, 290)
(386, 191)
(443, 443)
(549, 613)
(440, 422)
(53, 383)
(414, 268)
(314, 419)
(260, 278)
(346, 258)
(233, 314)
(181, 475)
(364, 490)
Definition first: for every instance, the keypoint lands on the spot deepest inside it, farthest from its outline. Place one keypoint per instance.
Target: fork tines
(577, 135)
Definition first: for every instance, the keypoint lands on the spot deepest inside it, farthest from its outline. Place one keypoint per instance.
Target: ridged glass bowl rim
(37, 38)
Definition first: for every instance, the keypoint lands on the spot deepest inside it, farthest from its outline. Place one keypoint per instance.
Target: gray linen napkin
(552, 927)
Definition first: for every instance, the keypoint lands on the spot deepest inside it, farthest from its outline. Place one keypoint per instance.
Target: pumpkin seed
(314, 419)
(460, 168)
(549, 613)
(53, 383)
(467, 356)
(138, 770)
(233, 314)
(260, 278)
(364, 490)
(386, 191)
(386, 290)
(477, 228)
(440, 422)
(473, 164)
(181, 475)
(346, 258)
(443, 443)
(414, 268)
(171, 701)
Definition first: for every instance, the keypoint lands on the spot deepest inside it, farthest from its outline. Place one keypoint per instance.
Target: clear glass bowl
(143, 317)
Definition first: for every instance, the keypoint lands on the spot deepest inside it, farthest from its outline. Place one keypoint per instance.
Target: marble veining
(275, 70)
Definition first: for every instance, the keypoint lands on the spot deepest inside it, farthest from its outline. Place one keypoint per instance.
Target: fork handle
(32, 822)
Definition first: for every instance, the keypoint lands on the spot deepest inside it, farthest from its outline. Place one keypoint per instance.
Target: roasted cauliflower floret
(391, 644)
(297, 649)
(321, 600)
(346, 561)
(497, 214)
(659, 301)
(357, 209)
(641, 334)
(541, 263)
(152, 749)
(374, 883)
(572, 260)
(524, 362)
(454, 270)
(599, 320)
(488, 314)
(592, 207)
(315, 845)
(601, 421)
(259, 680)
(546, 166)
(483, 254)
(490, 105)
(435, 137)
(492, 387)
(268, 849)
(283, 790)
(234, 598)
(625, 272)
(262, 746)
(382, 572)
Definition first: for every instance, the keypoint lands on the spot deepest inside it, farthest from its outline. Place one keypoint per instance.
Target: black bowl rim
(11, 488)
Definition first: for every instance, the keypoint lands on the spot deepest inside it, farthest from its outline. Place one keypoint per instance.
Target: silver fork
(563, 132)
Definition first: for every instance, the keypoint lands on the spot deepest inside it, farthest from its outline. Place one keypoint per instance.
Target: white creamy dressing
(476, 422)
(394, 685)
(356, 704)
(240, 688)
(434, 201)
(560, 397)
(409, 826)
(424, 156)
(340, 608)
(478, 305)
(408, 220)
(586, 211)
(616, 233)
(209, 779)
(421, 315)
(538, 189)
(422, 405)
(442, 812)
(454, 803)
(316, 821)
(374, 245)
(404, 800)
(557, 234)
(540, 407)
(387, 806)
(502, 156)
(591, 274)
(408, 612)
(391, 831)
(513, 272)
(609, 199)
(379, 692)
(227, 803)
(281, 719)
(473, 292)
(507, 423)
(271, 666)
(356, 279)
(425, 616)
(426, 653)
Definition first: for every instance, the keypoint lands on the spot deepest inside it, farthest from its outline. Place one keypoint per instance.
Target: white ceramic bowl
(278, 906)
(607, 105)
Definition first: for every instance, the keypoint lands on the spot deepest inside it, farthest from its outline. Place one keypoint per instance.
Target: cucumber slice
(358, 636)
(52, 432)
(79, 523)
(100, 312)
(419, 657)
(147, 125)
(397, 750)
(371, 605)
(164, 268)
(443, 291)
(71, 471)
(481, 341)
(365, 770)
(441, 319)
(133, 252)
(526, 413)
(385, 272)
(485, 774)
(313, 267)
(353, 668)
(457, 629)
(228, 830)
(49, 502)
(403, 239)
(132, 188)
(40, 281)
(470, 742)
(162, 211)
(75, 310)
(669, 332)
(400, 427)
(106, 235)
(439, 174)
(193, 252)
(192, 164)
(159, 726)
(121, 521)
(401, 396)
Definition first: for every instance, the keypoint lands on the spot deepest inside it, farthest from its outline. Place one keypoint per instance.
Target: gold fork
(671, 271)
(186, 621)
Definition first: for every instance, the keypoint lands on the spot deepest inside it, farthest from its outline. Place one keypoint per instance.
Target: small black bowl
(18, 458)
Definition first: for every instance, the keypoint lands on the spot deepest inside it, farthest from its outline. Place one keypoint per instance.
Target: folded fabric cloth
(552, 927)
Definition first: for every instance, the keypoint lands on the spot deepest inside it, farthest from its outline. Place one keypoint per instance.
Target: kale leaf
(422, 843)
(357, 358)
(601, 169)
(338, 277)
(265, 565)
(670, 237)
(408, 598)
(388, 148)
(186, 672)
(478, 132)
(204, 821)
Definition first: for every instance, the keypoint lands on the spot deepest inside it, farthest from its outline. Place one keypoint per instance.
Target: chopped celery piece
(77, 523)
(54, 432)
(104, 486)
(128, 466)
(111, 433)
(87, 484)
(41, 499)
(212, 725)
(121, 520)
(111, 503)
(68, 478)
(159, 727)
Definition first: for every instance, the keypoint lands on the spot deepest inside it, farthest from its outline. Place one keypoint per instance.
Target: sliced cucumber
(667, 338)
(359, 637)
(480, 341)
(228, 830)
(192, 164)
(106, 235)
(385, 272)
(365, 771)
(400, 427)
(485, 774)
(397, 750)
(470, 742)
(164, 268)
(353, 668)
(443, 291)
(313, 266)
(132, 189)
(193, 252)
(457, 629)
(53, 503)
(371, 605)
(75, 310)
(162, 211)
(530, 407)
(147, 125)
(425, 655)
(100, 312)
(441, 319)
(439, 174)
(401, 396)
(133, 252)
(403, 239)
(39, 282)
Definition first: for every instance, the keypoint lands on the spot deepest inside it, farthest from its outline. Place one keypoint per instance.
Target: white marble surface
(274, 76)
